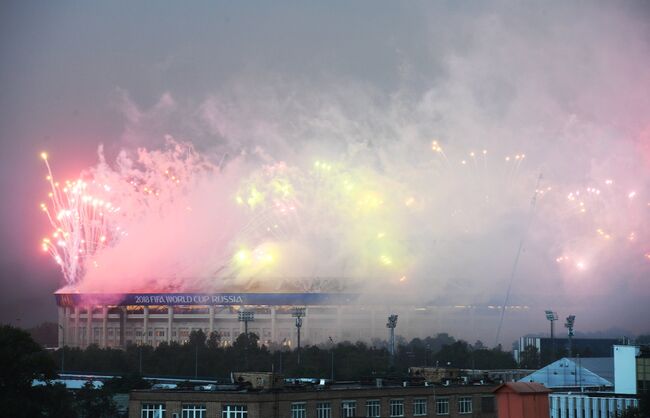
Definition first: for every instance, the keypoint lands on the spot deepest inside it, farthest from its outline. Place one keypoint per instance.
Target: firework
(79, 214)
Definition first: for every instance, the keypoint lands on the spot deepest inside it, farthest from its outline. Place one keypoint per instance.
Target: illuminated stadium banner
(189, 299)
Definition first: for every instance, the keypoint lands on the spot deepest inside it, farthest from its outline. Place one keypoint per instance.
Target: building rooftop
(573, 372)
(523, 387)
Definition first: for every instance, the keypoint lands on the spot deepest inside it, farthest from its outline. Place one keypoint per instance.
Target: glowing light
(44, 155)
(402, 279)
(254, 198)
(242, 256)
(631, 195)
(386, 260)
(581, 265)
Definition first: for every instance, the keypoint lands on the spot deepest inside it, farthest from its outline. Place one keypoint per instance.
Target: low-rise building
(341, 400)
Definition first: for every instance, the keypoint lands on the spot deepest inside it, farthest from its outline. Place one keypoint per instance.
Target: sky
(261, 92)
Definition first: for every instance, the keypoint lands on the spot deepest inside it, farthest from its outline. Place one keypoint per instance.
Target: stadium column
(274, 326)
(170, 318)
(145, 325)
(104, 325)
(89, 324)
(211, 320)
(76, 327)
(123, 319)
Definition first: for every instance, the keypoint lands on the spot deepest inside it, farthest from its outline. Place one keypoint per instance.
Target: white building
(629, 373)
(118, 320)
(588, 405)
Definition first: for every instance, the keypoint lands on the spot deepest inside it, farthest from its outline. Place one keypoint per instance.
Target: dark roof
(523, 387)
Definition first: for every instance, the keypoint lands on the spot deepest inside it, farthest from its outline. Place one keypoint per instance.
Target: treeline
(206, 357)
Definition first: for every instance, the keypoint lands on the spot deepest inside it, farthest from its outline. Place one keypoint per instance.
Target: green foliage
(95, 403)
(350, 360)
(530, 358)
(643, 339)
(22, 361)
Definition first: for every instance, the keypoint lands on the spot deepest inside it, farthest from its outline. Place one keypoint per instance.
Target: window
(348, 409)
(372, 409)
(487, 404)
(298, 410)
(442, 406)
(419, 407)
(152, 410)
(396, 407)
(323, 410)
(193, 411)
(465, 405)
(234, 411)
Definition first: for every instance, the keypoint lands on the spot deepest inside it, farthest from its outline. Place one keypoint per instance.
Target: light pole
(246, 317)
(332, 355)
(62, 350)
(552, 317)
(569, 325)
(298, 313)
(392, 323)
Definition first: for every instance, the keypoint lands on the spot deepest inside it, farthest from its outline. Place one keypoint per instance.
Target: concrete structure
(575, 373)
(625, 369)
(522, 400)
(116, 320)
(631, 377)
(316, 401)
(589, 405)
(585, 347)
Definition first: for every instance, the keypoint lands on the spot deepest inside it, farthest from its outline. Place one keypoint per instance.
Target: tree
(95, 402)
(530, 357)
(197, 338)
(22, 361)
(214, 340)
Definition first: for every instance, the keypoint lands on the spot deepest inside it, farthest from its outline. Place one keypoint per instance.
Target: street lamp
(246, 317)
(298, 313)
(552, 317)
(392, 323)
(62, 349)
(569, 325)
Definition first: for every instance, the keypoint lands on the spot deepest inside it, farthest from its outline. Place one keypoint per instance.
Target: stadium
(117, 320)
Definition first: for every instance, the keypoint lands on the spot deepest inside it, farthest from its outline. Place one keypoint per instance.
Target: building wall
(268, 405)
(111, 326)
(512, 404)
(568, 405)
(625, 378)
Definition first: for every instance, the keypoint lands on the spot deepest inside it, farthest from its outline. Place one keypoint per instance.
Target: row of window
(323, 409)
(373, 408)
(150, 410)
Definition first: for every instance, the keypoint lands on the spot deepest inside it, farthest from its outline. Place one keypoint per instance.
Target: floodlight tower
(298, 313)
(552, 317)
(246, 317)
(391, 325)
(569, 325)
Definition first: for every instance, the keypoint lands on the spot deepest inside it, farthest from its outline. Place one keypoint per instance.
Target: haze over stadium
(403, 150)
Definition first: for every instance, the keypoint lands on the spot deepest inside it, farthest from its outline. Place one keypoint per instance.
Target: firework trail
(80, 219)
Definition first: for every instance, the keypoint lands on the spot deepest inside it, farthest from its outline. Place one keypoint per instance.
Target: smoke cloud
(520, 124)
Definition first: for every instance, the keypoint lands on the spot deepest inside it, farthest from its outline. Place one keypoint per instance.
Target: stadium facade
(117, 320)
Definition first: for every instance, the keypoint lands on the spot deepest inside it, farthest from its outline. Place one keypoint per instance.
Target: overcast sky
(75, 75)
